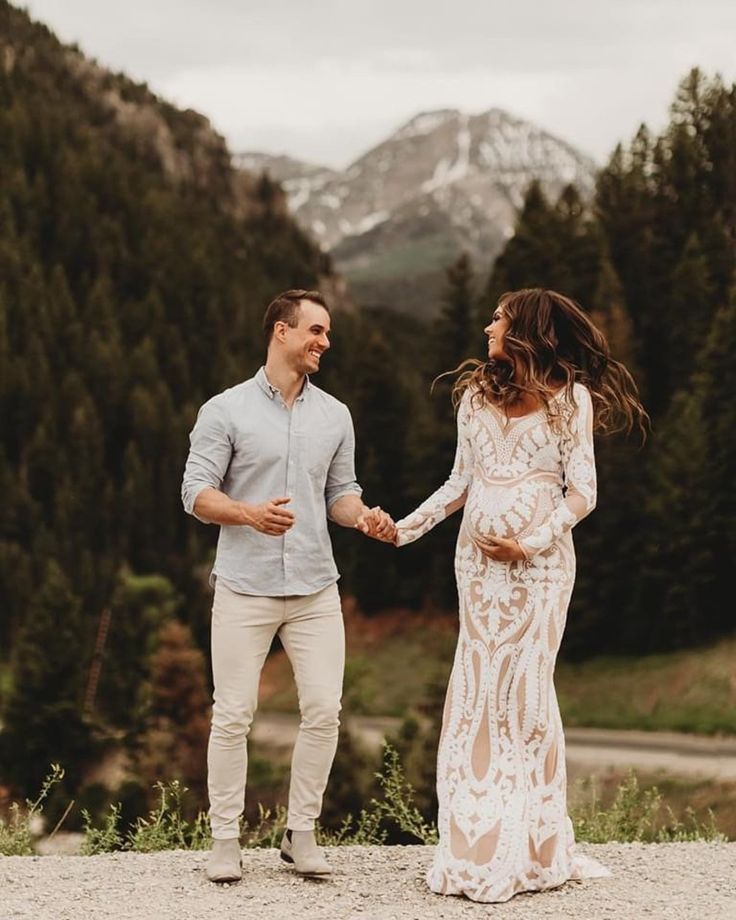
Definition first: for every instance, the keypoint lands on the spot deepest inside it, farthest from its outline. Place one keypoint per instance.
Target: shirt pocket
(321, 448)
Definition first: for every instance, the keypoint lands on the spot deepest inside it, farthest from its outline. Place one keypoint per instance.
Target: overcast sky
(325, 81)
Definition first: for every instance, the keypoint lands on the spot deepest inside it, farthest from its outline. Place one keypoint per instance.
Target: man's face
(309, 339)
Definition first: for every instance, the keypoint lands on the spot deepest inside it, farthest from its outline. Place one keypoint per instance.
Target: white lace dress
(501, 777)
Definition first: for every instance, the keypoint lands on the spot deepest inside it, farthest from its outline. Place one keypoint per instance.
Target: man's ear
(279, 330)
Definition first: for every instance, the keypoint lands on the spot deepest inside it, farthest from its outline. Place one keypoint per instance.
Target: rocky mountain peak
(444, 182)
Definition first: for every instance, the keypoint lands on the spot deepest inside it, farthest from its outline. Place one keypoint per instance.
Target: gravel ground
(676, 881)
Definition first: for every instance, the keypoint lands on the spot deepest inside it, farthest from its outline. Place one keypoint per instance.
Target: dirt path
(673, 881)
(587, 748)
(677, 753)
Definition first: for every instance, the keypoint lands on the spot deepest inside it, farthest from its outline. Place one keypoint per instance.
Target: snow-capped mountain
(443, 183)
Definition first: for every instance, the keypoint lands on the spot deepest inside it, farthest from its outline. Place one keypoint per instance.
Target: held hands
(499, 549)
(269, 517)
(378, 524)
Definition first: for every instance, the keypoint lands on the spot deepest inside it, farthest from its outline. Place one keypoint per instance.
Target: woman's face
(496, 331)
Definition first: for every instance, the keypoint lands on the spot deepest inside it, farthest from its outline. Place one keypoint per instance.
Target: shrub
(639, 815)
(16, 833)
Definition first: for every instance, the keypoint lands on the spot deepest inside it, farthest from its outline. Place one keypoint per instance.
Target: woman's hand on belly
(499, 549)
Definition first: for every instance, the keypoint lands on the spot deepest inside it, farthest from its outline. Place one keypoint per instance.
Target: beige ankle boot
(225, 863)
(300, 848)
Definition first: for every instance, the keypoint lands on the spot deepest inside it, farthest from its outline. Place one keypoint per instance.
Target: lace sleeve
(450, 496)
(578, 463)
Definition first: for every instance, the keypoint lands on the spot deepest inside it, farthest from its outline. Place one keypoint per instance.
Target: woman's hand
(376, 523)
(499, 549)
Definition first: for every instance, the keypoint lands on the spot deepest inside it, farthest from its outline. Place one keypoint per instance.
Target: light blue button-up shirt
(250, 445)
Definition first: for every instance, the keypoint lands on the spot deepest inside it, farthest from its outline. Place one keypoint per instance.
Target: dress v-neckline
(505, 420)
(514, 418)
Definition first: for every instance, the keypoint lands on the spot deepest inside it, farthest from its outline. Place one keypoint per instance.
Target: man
(270, 460)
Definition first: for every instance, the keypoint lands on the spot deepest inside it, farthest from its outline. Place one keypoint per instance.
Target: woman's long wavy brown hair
(551, 343)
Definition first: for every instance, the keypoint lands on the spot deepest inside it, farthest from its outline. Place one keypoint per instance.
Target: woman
(525, 473)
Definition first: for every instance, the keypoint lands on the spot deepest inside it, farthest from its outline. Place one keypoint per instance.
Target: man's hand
(499, 549)
(269, 517)
(378, 524)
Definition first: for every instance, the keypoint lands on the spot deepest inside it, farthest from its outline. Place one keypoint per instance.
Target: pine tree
(379, 406)
(174, 744)
(43, 716)
(692, 498)
(457, 335)
(138, 607)
(714, 380)
(691, 307)
(677, 568)
(554, 246)
(619, 521)
(530, 257)
(578, 246)
(456, 332)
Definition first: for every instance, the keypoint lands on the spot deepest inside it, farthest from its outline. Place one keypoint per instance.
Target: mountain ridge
(444, 182)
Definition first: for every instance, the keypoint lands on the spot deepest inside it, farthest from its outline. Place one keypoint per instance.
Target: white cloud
(327, 79)
(336, 112)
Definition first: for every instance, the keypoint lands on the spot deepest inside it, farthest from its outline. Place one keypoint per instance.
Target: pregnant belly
(510, 510)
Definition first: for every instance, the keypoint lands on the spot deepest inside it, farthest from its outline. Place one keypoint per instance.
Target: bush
(17, 833)
(635, 815)
(639, 815)
(105, 839)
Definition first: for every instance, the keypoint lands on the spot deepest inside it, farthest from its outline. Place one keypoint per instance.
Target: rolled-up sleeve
(341, 475)
(210, 451)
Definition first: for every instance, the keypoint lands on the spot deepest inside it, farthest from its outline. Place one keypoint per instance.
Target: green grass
(401, 260)
(393, 659)
(390, 663)
(687, 691)
(410, 668)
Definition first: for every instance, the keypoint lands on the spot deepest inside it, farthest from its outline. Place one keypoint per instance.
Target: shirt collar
(271, 391)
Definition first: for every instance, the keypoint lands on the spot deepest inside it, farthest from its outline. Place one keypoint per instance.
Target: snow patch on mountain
(444, 182)
(424, 123)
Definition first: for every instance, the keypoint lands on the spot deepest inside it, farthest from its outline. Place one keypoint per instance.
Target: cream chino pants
(312, 633)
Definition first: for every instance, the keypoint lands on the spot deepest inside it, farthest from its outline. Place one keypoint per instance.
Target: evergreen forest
(135, 266)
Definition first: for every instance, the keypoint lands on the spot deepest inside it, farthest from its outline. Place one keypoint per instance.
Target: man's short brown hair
(284, 308)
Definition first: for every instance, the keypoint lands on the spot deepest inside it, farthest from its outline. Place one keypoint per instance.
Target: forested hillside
(135, 266)
(655, 264)
(134, 270)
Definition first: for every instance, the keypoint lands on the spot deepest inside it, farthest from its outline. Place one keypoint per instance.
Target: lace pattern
(501, 777)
